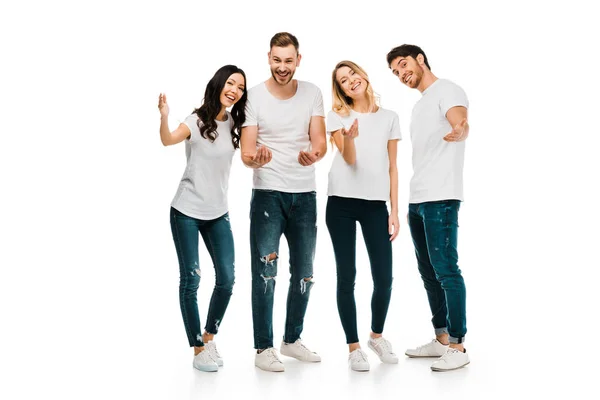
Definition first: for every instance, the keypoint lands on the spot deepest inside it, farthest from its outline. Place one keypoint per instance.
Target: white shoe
(299, 351)
(383, 348)
(212, 347)
(359, 361)
(452, 359)
(204, 362)
(432, 349)
(268, 360)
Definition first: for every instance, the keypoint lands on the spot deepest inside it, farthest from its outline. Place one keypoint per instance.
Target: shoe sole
(413, 356)
(381, 359)
(299, 359)
(270, 370)
(207, 370)
(451, 369)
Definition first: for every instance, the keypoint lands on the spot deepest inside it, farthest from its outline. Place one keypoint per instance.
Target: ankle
(443, 339)
(353, 346)
(458, 346)
(198, 350)
(207, 337)
(376, 335)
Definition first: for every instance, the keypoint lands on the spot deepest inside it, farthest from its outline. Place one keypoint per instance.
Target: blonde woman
(362, 179)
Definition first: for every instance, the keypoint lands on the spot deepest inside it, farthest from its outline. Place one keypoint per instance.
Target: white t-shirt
(283, 128)
(369, 177)
(437, 164)
(202, 193)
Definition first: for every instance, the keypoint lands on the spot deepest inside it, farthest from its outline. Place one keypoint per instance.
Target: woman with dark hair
(211, 135)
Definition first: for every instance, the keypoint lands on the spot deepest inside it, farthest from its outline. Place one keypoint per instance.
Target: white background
(89, 276)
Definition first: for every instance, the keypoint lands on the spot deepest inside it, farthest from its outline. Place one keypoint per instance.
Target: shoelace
(385, 346)
(358, 355)
(426, 345)
(448, 353)
(213, 347)
(272, 356)
(304, 348)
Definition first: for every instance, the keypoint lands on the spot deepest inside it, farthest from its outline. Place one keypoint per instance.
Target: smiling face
(408, 70)
(352, 83)
(233, 90)
(283, 62)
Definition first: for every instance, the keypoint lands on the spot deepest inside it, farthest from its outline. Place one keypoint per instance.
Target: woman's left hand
(393, 226)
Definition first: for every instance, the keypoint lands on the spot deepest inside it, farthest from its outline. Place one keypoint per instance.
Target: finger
(301, 159)
(306, 161)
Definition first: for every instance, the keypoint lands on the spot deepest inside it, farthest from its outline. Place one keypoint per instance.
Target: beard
(279, 80)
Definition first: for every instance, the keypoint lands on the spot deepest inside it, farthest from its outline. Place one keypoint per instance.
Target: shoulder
(256, 90)
(448, 85)
(308, 87)
(385, 113)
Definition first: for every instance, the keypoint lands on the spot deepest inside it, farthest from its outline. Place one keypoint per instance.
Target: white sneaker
(359, 361)
(268, 360)
(212, 347)
(299, 351)
(432, 349)
(204, 362)
(452, 359)
(383, 348)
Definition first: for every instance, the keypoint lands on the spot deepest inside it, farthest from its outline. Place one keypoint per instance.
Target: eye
(351, 72)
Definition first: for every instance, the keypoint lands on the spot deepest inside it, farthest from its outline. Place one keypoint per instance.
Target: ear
(299, 58)
(269, 57)
(421, 59)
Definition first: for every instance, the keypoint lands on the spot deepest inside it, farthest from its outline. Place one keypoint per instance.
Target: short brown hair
(284, 39)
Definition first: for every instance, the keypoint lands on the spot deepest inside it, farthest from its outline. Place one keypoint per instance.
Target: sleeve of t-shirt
(191, 122)
(453, 96)
(395, 133)
(251, 117)
(334, 122)
(317, 110)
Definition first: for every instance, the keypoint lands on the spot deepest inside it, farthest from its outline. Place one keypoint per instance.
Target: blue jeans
(272, 214)
(342, 215)
(434, 230)
(218, 239)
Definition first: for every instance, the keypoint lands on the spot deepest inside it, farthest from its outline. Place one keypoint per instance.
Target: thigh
(185, 236)
(218, 238)
(374, 223)
(341, 223)
(301, 233)
(441, 230)
(267, 223)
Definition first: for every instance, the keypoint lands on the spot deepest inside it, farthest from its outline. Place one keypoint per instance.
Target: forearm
(165, 133)
(394, 190)
(349, 151)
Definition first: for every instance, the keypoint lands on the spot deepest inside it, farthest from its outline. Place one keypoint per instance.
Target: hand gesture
(261, 157)
(352, 132)
(306, 158)
(459, 133)
(163, 107)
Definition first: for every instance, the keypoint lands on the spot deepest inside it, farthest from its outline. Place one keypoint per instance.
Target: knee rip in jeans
(270, 259)
(306, 284)
(196, 269)
(268, 279)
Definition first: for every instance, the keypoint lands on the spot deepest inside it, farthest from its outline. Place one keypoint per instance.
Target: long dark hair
(211, 106)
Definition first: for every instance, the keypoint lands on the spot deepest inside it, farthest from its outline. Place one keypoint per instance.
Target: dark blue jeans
(434, 230)
(272, 214)
(342, 215)
(218, 239)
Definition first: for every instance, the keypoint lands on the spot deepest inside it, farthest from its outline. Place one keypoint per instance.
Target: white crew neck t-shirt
(202, 192)
(369, 177)
(283, 128)
(437, 164)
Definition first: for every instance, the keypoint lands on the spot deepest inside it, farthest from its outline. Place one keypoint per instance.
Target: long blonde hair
(341, 103)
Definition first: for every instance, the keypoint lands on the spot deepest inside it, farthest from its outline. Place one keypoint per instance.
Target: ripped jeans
(272, 214)
(218, 239)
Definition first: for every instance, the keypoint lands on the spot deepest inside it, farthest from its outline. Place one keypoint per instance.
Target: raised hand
(163, 107)
(352, 132)
(459, 133)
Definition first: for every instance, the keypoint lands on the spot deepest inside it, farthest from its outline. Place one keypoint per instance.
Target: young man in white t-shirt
(438, 129)
(282, 138)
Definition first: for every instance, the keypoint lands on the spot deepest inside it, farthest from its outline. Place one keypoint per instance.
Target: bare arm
(167, 137)
(318, 140)
(457, 117)
(251, 156)
(394, 223)
(345, 145)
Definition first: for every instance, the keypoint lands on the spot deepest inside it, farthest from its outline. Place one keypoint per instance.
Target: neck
(426, 81)
(221, 116)
(282, 92)
(362, 105)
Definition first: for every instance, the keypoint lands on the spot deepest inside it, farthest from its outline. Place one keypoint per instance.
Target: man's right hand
(261, 157)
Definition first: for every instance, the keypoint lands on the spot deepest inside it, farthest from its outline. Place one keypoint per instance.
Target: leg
(267, 221)
(374, 224)
(301, 235)
(435, 293)
(441, 230)
(219, 242)
(185, 237)
(341, 223)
